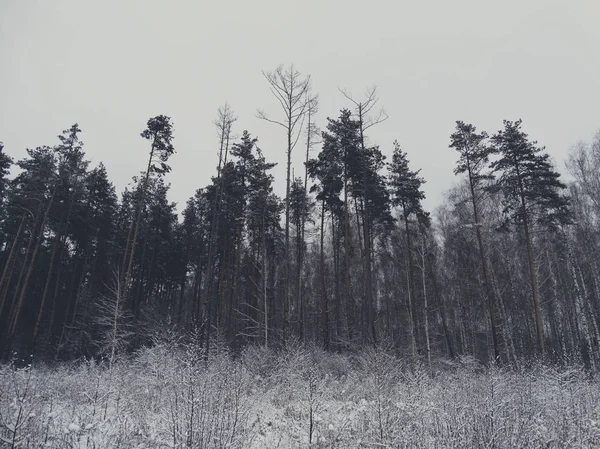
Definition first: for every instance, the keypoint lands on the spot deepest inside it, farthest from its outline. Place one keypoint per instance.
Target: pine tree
(69, 190)
(159, 132)
(246, 169)
(263, 211)
(342, 138)
(531, 189)
(373, 192)
(405, 189)
(328, 169)
(98, 222)
(32, 194)
(473, 160)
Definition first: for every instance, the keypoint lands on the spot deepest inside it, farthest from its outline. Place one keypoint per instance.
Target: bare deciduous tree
(113, 320)
(290, 88)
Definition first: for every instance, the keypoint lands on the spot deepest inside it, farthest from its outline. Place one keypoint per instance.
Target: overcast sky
(111, 65)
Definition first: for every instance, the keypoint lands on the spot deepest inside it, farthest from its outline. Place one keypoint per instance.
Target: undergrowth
(170, 396)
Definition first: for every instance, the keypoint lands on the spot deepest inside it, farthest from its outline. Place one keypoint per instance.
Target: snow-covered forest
(342, 314)
(506, 269)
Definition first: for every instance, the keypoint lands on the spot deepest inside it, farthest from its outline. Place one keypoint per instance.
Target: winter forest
(376, 318)
(504, 270)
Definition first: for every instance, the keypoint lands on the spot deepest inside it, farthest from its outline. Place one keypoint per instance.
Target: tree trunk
(534, 287)
(324, 312)
(138, 216)
(17, 310)
(411, 287)
(264, 276)
(181, 296)
(233, 303)
(493, 316)
(442, 312)
(425, 304)
(45, 292)
(8, 267)
(286, 283)
(367, 240)
(212, 241)
(532, 269)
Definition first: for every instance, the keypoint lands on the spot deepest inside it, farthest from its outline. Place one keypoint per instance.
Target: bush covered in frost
(172, 396)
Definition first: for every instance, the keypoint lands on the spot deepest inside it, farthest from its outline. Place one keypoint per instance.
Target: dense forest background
(504, 270)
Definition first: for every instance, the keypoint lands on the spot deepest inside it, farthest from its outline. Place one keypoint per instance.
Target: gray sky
(111, 65)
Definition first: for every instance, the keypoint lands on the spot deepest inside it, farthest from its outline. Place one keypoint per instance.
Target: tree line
(504, 270)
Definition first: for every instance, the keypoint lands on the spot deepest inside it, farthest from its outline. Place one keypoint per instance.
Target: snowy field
(166, 398)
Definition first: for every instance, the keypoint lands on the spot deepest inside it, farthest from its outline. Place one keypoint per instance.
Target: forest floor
(165, 397)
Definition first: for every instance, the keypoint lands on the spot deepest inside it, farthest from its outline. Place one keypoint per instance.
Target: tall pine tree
(473, 160)
(405, 189)
(532, 191)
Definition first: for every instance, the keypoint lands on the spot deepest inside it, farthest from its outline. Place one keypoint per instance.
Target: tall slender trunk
(265, 283)
(367, 238)
(71, 303)
(368, 280)
(138, 293)
(299, 262)
(581, 320)
(138, 216)
(425, 302)
(115, 327)
(56, 287)
(532, 274)
(493, 316)
(324, 312)
(347, 298)
(123, 269)
(17, 310)
(205, 296)
(507, 335)
(181, 296)
(534, 287)
(234, 300)
(335, 303)
(358, 207)
(539, 329)
(45, 292)
(196, 293)
(286, 282)
(9, 265)
(411, 286)
(303, 228)
(442, 312)
(79, 286)
(60, 237)
(30, 244)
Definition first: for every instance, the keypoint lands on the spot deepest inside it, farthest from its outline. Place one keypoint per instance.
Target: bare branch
(224, 121)
(262, 116)
(382, 117)
(298, 134)
(363, 108)
(280, 97)
(345, 93)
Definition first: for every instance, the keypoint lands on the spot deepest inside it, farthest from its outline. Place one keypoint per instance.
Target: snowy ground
(166, 398)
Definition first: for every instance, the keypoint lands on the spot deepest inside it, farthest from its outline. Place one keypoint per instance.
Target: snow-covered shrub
(171, 395)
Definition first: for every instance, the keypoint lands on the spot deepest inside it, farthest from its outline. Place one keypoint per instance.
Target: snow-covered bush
(174, 396)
